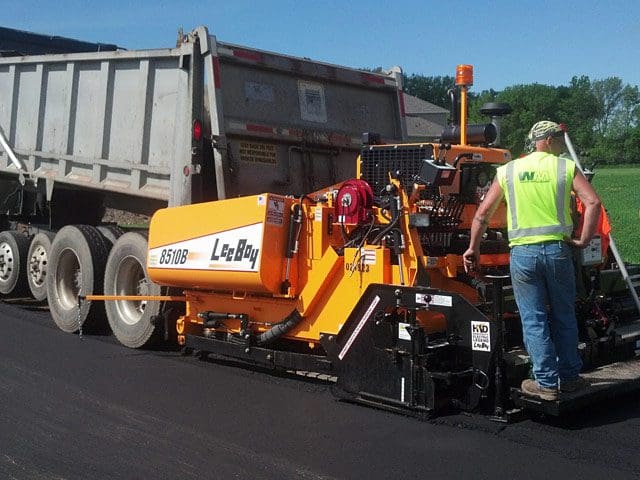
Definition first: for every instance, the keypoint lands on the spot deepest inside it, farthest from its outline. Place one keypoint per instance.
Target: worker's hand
(471, 259)
(576, 242)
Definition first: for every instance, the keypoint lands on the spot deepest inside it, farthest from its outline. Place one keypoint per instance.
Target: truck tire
(111, 232)
(76, 267)
(13, 258)
(37, 262)
(126, 274)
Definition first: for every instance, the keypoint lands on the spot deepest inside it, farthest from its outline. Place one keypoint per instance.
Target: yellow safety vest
(537, 189)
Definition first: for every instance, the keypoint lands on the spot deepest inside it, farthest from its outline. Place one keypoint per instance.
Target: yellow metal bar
(463, 115)
(161, 298)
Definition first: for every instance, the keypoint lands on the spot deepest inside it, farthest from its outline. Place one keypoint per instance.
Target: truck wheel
(126, 274)
(13, 257)
(111, 233)
(38, 259)
(76, 267)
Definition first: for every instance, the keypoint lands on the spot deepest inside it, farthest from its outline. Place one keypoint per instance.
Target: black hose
(279, 329)
(454, 106)
(396, 211)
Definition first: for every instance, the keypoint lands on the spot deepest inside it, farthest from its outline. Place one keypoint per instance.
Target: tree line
(602, 116)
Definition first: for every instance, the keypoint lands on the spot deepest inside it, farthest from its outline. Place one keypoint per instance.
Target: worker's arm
(479, 225)
(592, 207)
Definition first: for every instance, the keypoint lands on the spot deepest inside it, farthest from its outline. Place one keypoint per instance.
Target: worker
(537, 189)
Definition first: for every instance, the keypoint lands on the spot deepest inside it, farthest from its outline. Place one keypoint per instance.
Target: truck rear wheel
(126, 274)
(76, 267)
(38, 260)
(111, 233)
(13, 257)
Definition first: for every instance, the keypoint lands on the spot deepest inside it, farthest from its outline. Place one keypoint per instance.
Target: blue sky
(508, 42)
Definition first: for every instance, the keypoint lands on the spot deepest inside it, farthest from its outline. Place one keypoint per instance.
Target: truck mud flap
(604, 383)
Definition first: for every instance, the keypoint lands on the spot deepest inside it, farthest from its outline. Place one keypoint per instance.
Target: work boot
(533, 389)
(573, 385)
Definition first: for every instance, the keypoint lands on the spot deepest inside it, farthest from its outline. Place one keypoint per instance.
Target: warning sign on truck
(258, 153)
(312, 103)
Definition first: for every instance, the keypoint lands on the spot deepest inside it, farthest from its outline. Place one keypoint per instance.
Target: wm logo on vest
(533, 177)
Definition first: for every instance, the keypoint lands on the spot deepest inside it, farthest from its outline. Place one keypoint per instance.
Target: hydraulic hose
(279, 329)
(396, 211)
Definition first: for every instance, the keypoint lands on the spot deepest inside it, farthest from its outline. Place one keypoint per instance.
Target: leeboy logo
(235, 250)
(241, 252)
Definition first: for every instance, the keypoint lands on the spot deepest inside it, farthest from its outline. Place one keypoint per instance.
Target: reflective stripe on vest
(561, 228)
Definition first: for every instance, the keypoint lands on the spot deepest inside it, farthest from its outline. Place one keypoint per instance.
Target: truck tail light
(197, 130)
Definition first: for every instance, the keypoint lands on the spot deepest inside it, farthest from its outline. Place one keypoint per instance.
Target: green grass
(619, 189)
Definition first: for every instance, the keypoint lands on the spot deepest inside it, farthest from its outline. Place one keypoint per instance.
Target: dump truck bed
(123, 122)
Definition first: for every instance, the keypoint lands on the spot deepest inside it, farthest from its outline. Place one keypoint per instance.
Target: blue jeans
(544, 286)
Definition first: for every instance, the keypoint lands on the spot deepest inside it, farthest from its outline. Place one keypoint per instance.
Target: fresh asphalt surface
(89, 408)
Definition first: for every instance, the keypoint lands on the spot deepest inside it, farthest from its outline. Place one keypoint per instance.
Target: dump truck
(134, 131)
(363, 280)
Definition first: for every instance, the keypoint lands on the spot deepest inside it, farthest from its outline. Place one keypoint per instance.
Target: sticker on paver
(481, 336)
(403, 333)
